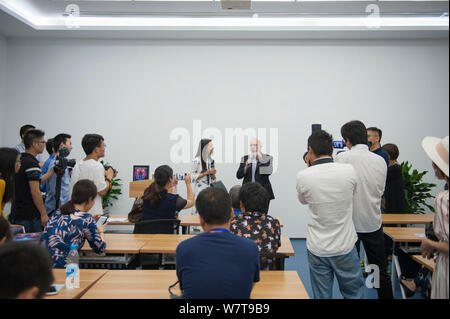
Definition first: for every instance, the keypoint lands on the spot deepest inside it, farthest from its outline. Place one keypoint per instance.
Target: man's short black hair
(49, 146)
(24, 265)
(321, 143)
(32, 136)
(375, 129)
(25, 128)
(90, 142)
(60, 138)
(214, 206)
(355, 132)
(254, 197)
(234, 194)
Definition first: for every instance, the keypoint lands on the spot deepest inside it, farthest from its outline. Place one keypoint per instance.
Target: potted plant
(416, 191)
(113, 194)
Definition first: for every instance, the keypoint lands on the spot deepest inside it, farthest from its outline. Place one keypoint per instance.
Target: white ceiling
(14, 24)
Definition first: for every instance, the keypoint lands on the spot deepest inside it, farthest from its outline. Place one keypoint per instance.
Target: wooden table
(405, 234)
(134, 244)
(401, 235)
(428, 263)
(88, 277)
(185, 220)
(167, 244)
(121, 243)
(407, 218)
(153, 284)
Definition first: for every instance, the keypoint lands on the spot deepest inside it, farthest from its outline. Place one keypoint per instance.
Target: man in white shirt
(90, 168)
(371, 178)
(328, 190)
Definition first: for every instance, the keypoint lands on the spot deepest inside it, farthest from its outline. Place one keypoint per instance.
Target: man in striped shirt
(28, 207)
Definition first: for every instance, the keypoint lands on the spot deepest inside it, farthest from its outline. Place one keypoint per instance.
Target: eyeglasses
(42, 142)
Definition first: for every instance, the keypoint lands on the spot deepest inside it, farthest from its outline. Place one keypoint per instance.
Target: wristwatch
(108, 180)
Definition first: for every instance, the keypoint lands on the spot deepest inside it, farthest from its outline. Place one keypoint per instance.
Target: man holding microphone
(256, 167)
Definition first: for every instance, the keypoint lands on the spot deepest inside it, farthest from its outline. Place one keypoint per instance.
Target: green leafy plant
(416, 191)
(113, 194)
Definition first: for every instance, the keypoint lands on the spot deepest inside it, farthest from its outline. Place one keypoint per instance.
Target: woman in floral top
(71, 224)
(255, 224)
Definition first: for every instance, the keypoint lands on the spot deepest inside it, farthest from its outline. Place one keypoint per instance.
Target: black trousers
(375, 252)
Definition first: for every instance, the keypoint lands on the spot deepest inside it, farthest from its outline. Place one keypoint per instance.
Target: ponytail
(162, 177)
(68, 208)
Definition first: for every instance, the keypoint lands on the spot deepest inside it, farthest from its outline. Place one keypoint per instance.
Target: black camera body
(62, 162)
(106, 167)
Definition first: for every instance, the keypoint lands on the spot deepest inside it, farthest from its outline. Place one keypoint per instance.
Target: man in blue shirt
(216, 264)
(52, 153)
(60, 140)
(374, 138)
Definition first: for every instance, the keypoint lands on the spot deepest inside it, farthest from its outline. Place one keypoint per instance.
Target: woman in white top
(437, 151)
(203, 172)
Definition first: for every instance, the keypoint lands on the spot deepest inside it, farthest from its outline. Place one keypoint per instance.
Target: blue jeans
(347, 270)
(31, 225)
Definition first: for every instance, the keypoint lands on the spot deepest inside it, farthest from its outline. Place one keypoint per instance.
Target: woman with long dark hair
(159, 203)
(72, 224)
(203, 168)
(9, 166)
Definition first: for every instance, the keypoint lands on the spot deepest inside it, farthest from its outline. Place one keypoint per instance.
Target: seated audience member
(159, 203)
(90, 168)
(235, 202)
(328, 188)
(25, 271)
(216, 264)
(421, 282)
(28, 208)
(374, 138)
(256, 225)
(71, 224)
(5, 231)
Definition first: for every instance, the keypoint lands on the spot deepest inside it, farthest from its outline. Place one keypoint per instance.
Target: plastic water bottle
(73, 268)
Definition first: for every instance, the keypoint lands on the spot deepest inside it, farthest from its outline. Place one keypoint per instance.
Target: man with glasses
(256, 167)
(90, 168)
(28, 207)
(374, 137)
(21, 146)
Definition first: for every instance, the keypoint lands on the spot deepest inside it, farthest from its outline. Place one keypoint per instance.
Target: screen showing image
(140, 172)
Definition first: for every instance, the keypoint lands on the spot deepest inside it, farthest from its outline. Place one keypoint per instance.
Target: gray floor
(299, 263)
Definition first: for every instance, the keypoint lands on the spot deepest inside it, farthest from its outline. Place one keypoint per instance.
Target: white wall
(3, 67)
(135, 93)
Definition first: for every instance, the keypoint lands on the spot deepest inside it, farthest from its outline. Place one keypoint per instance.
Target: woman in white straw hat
(437, 151)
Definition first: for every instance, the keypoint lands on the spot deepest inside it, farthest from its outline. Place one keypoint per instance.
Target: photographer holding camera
(59, 183)
(90, 168)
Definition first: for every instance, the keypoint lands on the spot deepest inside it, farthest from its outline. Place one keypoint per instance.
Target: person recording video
(90, 168)
(62, 144)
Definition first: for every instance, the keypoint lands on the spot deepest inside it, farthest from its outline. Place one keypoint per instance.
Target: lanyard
(220, 229)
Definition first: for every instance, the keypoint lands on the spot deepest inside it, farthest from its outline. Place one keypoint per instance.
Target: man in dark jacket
(256, 167)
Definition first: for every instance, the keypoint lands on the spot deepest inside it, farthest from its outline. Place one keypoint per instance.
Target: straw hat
(437, 151)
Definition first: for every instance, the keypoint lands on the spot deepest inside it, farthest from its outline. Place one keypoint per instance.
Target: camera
(338, 144)
(179, 176)
(62, 162)
(107, 167)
